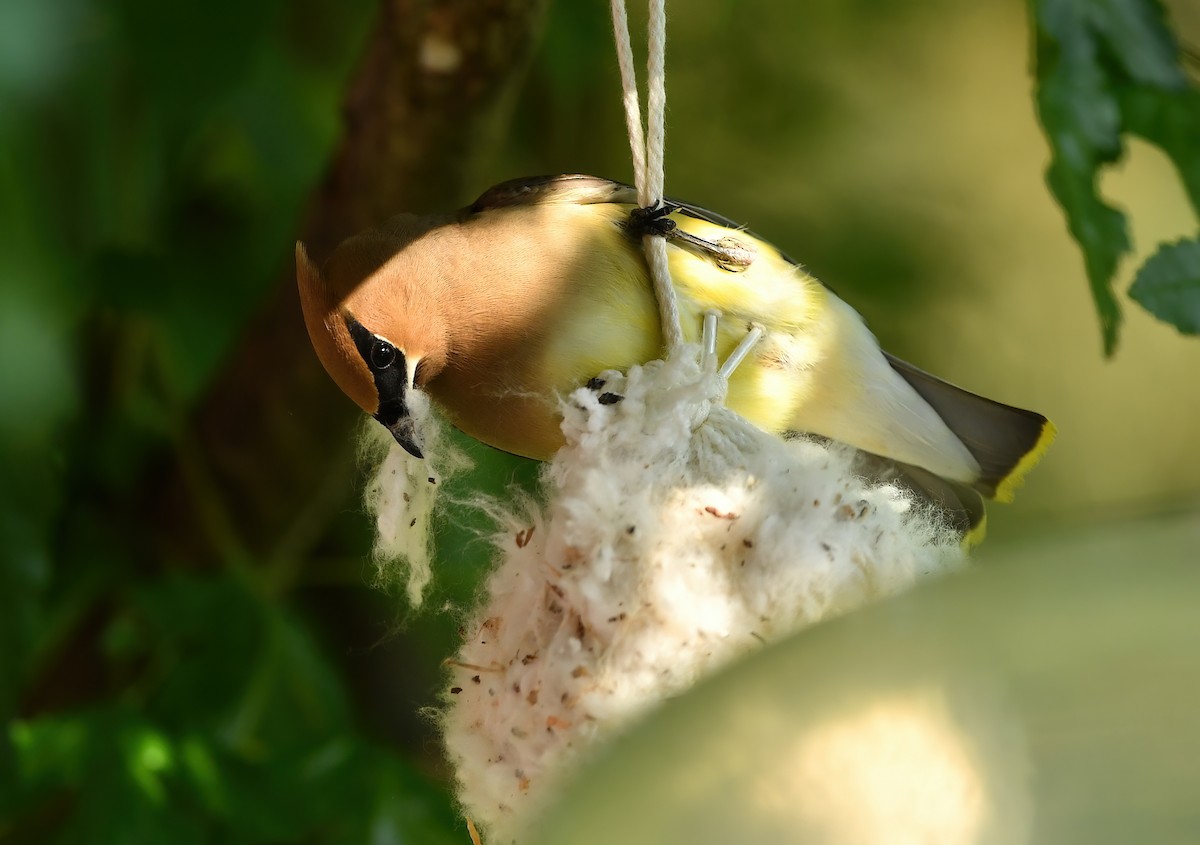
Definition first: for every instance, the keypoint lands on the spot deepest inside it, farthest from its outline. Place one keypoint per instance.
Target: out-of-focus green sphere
(1049, 695)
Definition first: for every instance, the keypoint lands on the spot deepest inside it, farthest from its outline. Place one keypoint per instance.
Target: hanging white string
(656, 102)
(629, 96)
(647, 147)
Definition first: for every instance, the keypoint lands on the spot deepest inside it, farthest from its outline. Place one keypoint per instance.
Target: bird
(498, 310)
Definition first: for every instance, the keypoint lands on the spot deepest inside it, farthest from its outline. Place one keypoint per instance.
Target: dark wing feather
(565, 188)
(579, 188)
(957, 505)
(997, 435)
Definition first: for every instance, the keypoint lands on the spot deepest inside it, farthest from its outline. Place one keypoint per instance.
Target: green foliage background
(157, 159)
(1105, 69)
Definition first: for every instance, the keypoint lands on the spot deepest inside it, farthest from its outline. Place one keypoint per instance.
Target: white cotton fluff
(402, 495)
(675, 536)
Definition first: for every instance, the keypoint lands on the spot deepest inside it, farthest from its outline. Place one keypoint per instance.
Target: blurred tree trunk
(432, 89)
(263, 466)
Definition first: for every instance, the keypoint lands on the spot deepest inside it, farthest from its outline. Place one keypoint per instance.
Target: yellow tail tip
(974, 535)
(1007, 488)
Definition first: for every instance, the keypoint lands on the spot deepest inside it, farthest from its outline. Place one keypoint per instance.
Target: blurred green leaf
(52, 750)
(107, 773)
(1170, 118)
(402, 808)
(35, 46)
(1168, 285)
(39, 384)
(1105, 68)
(189, 53)
(236, 729)
(202, 641)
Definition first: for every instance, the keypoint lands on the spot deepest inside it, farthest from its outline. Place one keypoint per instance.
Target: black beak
(391, 375)
(405, 434)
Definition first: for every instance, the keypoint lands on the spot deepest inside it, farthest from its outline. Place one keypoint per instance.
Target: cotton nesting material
(675, 536)
(402, 495)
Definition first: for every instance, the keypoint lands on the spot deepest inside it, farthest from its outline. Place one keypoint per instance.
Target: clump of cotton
(402, 496)
(674, 537)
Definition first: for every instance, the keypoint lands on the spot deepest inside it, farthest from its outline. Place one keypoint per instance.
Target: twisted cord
(647, 149)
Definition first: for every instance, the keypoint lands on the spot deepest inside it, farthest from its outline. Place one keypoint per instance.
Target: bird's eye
(382, 355)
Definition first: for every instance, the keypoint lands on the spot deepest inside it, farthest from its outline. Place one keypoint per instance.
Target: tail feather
(1006, 441)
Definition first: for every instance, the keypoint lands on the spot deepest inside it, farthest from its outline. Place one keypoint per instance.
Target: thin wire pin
(708, 336)
(743, 349)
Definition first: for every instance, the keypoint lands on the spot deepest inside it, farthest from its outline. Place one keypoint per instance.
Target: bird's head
(372, 315)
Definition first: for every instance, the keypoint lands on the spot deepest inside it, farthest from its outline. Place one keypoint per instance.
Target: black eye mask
(390, 371)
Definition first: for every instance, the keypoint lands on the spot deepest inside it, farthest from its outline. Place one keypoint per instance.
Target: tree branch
(269, 445)
(433, 86)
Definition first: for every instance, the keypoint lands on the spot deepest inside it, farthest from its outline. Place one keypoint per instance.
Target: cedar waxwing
(501, 308)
